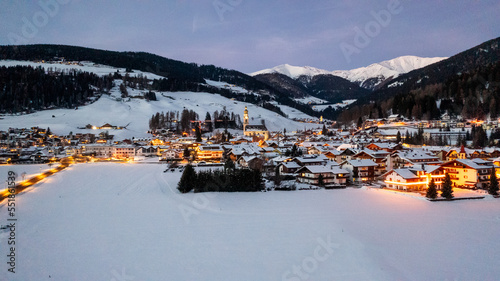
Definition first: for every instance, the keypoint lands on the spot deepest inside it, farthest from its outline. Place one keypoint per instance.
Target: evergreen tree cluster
(182, 121)
(294, 152)
(186, 117)
(479, 137)
(226, 119)
(25, 89)
(164, 120)
(227, 180)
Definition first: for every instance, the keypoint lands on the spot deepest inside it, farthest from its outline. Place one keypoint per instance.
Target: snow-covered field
(111, 221)
(335, 106)
(311, 99)
(25, 171)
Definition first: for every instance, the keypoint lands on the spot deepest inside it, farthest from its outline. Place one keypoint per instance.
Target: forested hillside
(25, 89)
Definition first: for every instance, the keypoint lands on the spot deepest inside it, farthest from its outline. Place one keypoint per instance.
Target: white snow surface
(111, 221)
(386, 69)
(293, 71)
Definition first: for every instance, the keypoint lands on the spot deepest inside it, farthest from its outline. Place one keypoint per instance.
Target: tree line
(227, 180)
(181, 122)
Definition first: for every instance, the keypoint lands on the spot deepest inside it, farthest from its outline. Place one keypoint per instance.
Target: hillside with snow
(134, 112)
(367, 77)
(115, 221)
(98, 69)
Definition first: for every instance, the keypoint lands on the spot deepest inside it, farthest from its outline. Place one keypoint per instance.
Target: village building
(332, 176)
(211, 153)
(254, 129)
(360, 170)
(469, 173)
(415, 178)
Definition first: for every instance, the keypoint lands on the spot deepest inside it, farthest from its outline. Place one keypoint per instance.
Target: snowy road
(115, 221)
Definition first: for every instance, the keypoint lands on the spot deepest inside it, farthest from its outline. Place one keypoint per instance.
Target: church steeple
(462, 154)
(245, 118)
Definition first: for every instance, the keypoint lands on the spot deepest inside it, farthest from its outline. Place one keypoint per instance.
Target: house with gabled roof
(416, 178)
(311, 160)
(360, 170)
(469, 173)
(377, 156)
(209, 152)
(387, 146)
(332, 175)
(289, 167)
(400, 159)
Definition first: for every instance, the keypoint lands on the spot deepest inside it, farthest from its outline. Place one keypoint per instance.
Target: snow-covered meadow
(113, 221)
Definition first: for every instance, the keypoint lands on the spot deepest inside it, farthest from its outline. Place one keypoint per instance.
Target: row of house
(464, 173)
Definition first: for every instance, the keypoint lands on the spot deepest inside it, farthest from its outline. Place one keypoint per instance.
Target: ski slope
(111, 221)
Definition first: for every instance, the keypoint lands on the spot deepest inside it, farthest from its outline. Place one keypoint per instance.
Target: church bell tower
(245, 118)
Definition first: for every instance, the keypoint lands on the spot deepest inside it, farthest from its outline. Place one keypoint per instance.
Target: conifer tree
(229, 166)
(493, 188)
(188, 179)
(321, 180)
(447, 190)
(186, 153)
(431, 190)
(197, 132)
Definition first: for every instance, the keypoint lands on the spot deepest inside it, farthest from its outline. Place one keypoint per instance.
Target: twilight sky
(253, 35)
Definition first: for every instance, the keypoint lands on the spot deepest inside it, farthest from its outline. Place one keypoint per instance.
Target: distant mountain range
(370, 77)
(412, 86)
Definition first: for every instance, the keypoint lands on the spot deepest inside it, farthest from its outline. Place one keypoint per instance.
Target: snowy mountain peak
(368, 77)
(292, 71)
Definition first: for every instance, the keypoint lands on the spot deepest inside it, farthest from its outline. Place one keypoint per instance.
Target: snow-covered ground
(111, 221)
(137, 112)
(335, 106)
(291, 112)
(24, 171)
(224, 85)
(311, 99)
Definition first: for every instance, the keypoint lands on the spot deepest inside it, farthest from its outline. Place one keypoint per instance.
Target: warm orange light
(411, 183)
(405, 183)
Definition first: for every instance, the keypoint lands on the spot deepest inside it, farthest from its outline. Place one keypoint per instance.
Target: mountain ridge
(369, 77)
